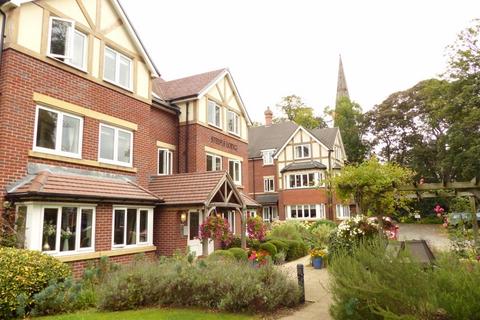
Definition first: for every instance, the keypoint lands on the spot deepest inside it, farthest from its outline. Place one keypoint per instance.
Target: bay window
(302, 151)
(235, 170)
(213, 114)
(306, 211)
(58, 132)
(214, 162)
(66, 43)
(233, 123)
(302, 180)
(68, 229)
(115, 146)
(132, 226)
(117, 68)
(164, 162)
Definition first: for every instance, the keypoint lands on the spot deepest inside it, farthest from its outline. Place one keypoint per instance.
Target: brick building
(93, 141)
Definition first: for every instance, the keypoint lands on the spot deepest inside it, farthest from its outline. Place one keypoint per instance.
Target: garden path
(434, 234)
(317, 292)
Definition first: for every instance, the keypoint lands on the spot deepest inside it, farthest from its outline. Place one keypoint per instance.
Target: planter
(317, 262)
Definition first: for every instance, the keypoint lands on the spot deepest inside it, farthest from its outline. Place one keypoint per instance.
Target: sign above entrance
(224, 143)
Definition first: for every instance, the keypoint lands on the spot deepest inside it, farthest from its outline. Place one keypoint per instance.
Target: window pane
(218, 163)
(131, 226)
(143, 225)
(70, 134)
(293, 213)
(209, 163)
(107, 138)
(300, 211)
(304, 180)
(194, 225)
(110, 65)
(311, 179)
(230, 121)
(86, 228)
(306, 211)
(60, 37)
(124, 76)
(49, 241)
(69, 228)
(124, 146)
(78, 49)
(169, 162)
(46, 129)
(217, 116)
(313, 211)
(306, 151)
(161, 162)
(231, 169)
(211, 112)
(298, 180)
(119, 227)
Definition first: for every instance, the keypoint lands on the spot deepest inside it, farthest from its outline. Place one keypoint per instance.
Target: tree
(349, 118)
(295, 110)
(373, 186)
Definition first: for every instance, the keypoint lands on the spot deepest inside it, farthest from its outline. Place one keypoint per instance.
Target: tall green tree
(348, 116)
(295, 110)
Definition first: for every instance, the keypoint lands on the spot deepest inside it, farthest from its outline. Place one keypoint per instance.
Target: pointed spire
(342, 89)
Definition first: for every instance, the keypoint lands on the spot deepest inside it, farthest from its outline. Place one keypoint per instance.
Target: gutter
(186, 137)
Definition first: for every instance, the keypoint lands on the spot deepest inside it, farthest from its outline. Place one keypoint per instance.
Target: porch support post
(205, 241)
(243, 228)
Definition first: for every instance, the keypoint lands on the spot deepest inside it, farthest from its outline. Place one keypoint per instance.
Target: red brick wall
(257, 171)
(167, 231)
(163, 127)
(199, 137)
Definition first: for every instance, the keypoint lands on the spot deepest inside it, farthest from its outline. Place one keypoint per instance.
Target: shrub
(235, 242)
(215, 284)
(270, 248)
(222, 254)
(296, 249)
(239, 254)
(286, 230)
(256, 228)
(253, 244)
(328, 223)
(372, 283)
(321, 235)
(280, 245)
(280, 257)
(23, 274)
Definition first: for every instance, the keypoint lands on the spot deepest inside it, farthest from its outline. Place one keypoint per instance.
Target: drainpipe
(186, 139)
(4, 22)
(253, 179)
(178, 139)
(330, 193)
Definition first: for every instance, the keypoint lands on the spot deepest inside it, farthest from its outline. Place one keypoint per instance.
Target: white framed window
(67, 44)
(214, 114)
(235, 170)
(132, 226)
(302, 180)
(268, 184)
(306, 211)
(214, 162)
(230, 217)
(165, 161)
(270, 213)
(116, 146)
(58, 132)
(342, 211)
(68, 229)
(302, 151)
(267, 156)
(117, 69)
(233, 123)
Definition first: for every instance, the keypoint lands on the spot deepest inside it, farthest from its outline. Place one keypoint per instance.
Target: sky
(275, 48)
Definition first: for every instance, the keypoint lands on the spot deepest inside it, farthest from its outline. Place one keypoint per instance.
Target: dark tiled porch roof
(267, 198)
(46, 184)
(304, 166)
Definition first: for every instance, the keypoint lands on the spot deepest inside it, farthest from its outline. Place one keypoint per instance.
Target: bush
(239, 254)
(321, 235)
(256, 228)
(328, 223)
(270, 248)
(253, 244)
(225, 254)
(23, 274)
(371, 283)
(286, 230)
(235, 242)
(280, 245)
(280, 257)
(214, 284)
(296, 249)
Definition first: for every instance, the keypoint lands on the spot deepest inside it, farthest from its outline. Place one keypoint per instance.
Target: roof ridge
(144, 189)
(39, 181)
(166, 82)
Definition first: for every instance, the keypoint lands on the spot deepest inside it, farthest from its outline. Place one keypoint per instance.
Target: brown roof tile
(184, 87)
(249, 202)
(50, 184)
(186, 188)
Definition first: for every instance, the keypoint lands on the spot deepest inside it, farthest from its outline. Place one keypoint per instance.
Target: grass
(149, 314)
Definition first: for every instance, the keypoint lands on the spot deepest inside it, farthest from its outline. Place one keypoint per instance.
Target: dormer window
(213, 116)
(267, 156)
(66, 43)
(117, 69)
(302, 151)
(233, 123)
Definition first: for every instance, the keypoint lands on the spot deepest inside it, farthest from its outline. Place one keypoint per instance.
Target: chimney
(268, 117)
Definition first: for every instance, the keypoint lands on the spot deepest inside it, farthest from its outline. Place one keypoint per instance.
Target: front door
(194, 243)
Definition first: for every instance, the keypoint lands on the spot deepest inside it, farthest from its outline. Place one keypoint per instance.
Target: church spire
(342, 90)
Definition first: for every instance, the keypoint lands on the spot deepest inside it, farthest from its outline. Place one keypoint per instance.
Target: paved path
(435, 235)
(316, 291)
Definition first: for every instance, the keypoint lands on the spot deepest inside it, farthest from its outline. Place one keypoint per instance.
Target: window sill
(215, 126)
(130, 90)
(68, 64)
(90, 163)
(114, 163)
(109, 253)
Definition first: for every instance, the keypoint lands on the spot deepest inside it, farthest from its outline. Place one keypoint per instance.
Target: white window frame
(116, 81)
(214, 157)
(137, 227)
(115, 146)
(266, 184)
(319, 210)
(236, 123)
(302, 156)
(302, 174)
(59, 134)
(167, 161)
(69, 46)
(237, 180)
(271, 213)
(230, 219)
(77, 250)
(267, 156)
(215, 106)
(342, 211)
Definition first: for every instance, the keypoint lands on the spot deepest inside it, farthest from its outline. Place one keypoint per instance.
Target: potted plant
(66, 235)
(317, 255)
(48, 230)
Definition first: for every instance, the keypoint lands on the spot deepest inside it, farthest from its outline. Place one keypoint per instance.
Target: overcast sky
(276, 48)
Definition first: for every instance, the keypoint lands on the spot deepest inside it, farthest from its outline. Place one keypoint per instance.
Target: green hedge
(24, 273)
(239, 254)
(280, 245)
(222, 254)
(270, 248)
(296, 249)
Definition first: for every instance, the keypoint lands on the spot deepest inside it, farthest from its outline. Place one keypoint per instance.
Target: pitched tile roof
(55, 185)
(186, 188)
(184, 87)
(304, 166)
(325, 135)
(249, 202)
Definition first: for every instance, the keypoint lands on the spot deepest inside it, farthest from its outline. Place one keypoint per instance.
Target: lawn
(149, 314)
